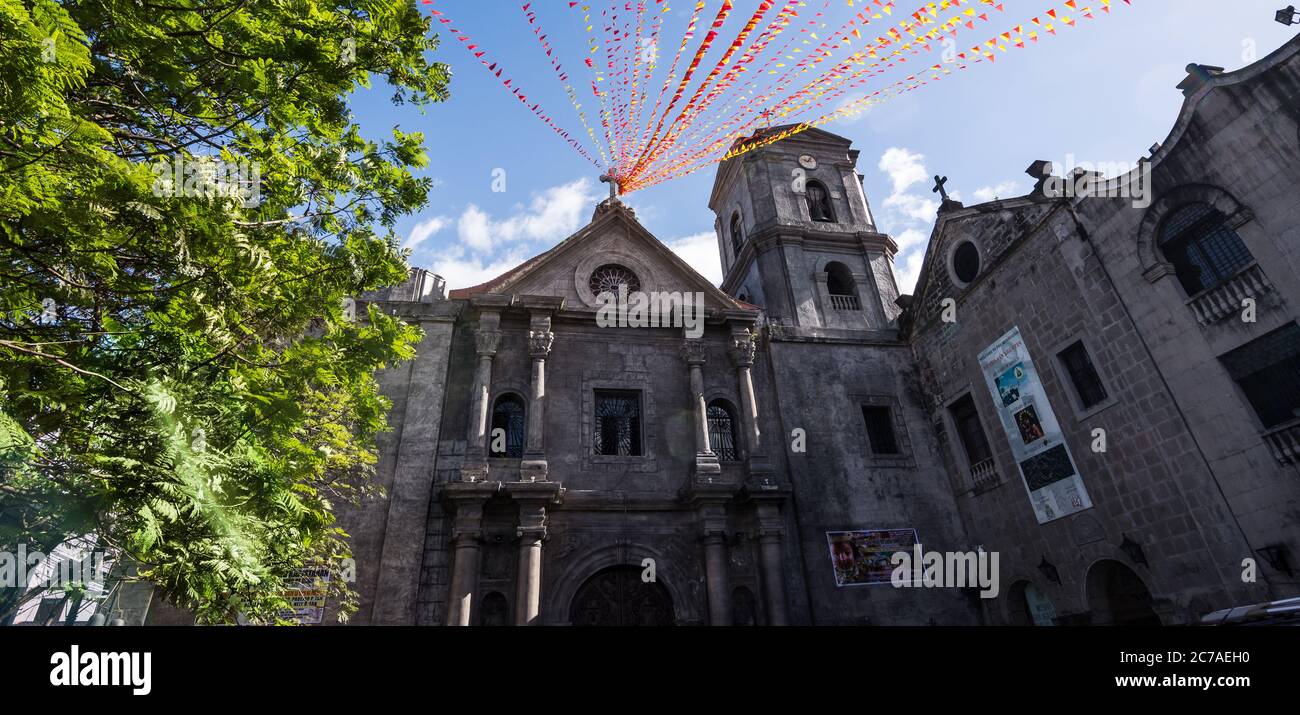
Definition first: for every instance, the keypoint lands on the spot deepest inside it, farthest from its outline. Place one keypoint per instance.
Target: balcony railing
(845, 302)
(1226, 299)
(985, 475)
(1284, 441)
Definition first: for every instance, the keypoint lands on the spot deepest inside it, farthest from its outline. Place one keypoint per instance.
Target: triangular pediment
(614, 237)
(993, 228)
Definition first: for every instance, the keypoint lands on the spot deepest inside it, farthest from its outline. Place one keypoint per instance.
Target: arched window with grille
(841, 287)
(819, 202)
(508, 416)
(737, 234)
(1205, 251)
(722, 431)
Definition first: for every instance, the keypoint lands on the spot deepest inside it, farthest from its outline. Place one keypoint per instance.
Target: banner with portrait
(861, 558)
(1055, 487)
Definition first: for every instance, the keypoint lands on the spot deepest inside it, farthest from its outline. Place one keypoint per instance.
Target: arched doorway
(1117, 597)
(744, 609)
(494, 611)
(617, 596)
(1028, 606)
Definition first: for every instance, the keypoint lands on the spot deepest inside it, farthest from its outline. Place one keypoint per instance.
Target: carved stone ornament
(487, 341)
(539, 343)
(694, 352)
(744, 346)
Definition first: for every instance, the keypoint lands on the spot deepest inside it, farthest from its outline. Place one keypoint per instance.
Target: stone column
(713, 521)
(759, 470)
(744, 347)
(486, 341)
(706, 462)
(533, 498)
(771, 530)
(534, 467)
(528, 593)
(466, 538)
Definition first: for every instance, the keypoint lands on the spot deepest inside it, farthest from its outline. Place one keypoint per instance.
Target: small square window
(880, 429)
(618, 423)
(1087, 383)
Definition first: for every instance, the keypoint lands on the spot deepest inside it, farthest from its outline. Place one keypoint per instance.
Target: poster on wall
(306, 591)
(861, 558)
(1054, 484)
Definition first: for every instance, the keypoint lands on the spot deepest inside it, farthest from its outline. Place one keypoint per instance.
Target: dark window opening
(494, 611)
(1204, 250)
(839, 280)
(966, 262)
(1268, 372)
(841, 287)
(1087, 383)
(618, 423)
(508, 416)
(819, 202)
(880, 430)
(967, 420)
(737, 235)
(722, 431)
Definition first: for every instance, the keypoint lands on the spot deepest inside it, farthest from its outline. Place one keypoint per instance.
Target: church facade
(1105, 394)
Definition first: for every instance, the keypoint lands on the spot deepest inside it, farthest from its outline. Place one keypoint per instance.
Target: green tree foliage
(179, 374)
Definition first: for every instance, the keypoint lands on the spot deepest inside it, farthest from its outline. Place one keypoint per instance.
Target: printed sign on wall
(1054, 485)
(861, 558)
(306, 591)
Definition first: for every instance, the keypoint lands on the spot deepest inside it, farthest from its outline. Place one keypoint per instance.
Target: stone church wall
(838, 485)
(1151, 483)
(388, 534)
(1240, 152)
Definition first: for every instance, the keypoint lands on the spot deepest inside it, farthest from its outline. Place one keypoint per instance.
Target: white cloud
(549, 216)
(912, 206)
(1002, 190)
(425, 230)
(487, 246)
(462, 272)
(700, 251)
(907, 270)
(911, 238)
(475, 229)
(908, 216)
(904, 168)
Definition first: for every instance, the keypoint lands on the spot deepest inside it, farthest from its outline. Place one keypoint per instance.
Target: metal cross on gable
(939, 188)
(613, 186)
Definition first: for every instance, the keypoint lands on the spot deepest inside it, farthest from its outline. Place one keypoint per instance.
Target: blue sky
(1102, 92)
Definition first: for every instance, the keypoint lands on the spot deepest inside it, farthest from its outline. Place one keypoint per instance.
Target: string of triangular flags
(1020, 36)
(785, 63)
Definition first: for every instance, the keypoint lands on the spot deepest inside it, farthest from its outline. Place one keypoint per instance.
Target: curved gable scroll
(1154, 265)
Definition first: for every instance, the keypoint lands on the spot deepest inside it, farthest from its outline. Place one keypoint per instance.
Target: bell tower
(797, 237)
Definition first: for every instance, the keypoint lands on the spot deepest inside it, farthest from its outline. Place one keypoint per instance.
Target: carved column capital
(743, 348)
(486, 342)
(539, 343)
(694, 352)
